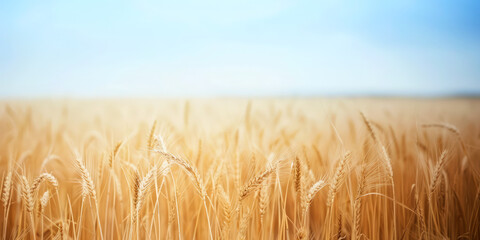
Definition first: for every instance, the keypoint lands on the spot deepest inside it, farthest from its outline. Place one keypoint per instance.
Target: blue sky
(238, 48)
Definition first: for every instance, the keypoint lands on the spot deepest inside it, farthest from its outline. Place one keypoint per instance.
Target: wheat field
(240, 169)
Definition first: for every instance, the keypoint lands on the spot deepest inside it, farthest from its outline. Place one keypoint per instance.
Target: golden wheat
(208, 169)
(7, 184)
(337, 179)
(254, 183)
(141, 190)
(436, 172)
(43, 177)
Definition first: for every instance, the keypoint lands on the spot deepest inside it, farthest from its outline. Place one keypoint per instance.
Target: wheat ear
(452, 129)
(388, 165)
(142, 190)
(446, 126)
(171, 216)
(298, 175)
(195, 176)
(314, 189)
(299, 181)
(41, 178)
(358, 201)
(136, 186)
(227, 211)
(263, 199)
(255, 182)
(388, 161)
(339, 231)
(151, 136)
(28, 201)
(7, 185)
(88, 188)
(114, 153)
(242, 234)
(436, 173)
(301, 234)
(27, 195)
(44, 201)
(189, 168)
(59, 234)
(337, 179)
(420, 215)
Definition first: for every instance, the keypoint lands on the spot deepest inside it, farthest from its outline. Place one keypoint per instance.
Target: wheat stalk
(196, 178)
(118, 187)
(302, 233)
(452, 129)
(142, 190)
(370, 128)
(28, 201)
(436, 173)
(388, 165)
(227, 211)
(387, 160)
(420, 215)
(114, 153)
(88, 188)
(358, 201)
(151, 136)
(314, 189)
(189, 168)
(337, 179)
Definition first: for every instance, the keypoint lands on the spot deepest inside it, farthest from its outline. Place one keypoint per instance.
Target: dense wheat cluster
(240, 169)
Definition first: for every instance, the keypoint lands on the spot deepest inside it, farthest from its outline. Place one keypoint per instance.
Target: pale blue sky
(241, 48)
